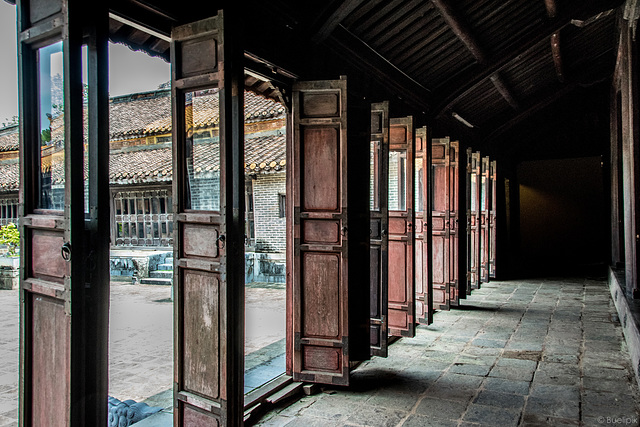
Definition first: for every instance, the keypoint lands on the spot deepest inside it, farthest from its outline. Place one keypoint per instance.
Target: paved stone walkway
(522, 353)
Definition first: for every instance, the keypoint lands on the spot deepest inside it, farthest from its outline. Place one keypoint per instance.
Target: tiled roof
(153, 164)
(150, 113)
(9, 138)
(262, 155)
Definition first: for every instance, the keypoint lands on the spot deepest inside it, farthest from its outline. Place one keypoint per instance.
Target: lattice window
(143, 218)
(9, 210)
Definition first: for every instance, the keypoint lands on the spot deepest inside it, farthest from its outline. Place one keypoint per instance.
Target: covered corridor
(547, 352)
(435, 151)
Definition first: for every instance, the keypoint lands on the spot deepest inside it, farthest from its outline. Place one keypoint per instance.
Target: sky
(129, 71)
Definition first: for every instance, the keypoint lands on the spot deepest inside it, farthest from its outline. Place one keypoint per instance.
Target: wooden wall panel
(51, 356)
(201, 323)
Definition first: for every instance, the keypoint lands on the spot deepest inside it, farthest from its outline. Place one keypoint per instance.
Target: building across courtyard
(140, 177)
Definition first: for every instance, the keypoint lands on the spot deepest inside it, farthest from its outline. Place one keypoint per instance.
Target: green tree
(10, 236)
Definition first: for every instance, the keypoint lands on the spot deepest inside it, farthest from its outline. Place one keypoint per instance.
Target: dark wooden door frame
(64, 273)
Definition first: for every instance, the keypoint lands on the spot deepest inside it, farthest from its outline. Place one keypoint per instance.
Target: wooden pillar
(630, 162)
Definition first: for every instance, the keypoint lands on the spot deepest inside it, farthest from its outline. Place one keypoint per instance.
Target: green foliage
(45, 137)
(10, 236)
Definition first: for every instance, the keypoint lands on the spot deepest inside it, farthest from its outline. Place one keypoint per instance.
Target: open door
(64, 254)
(378, 204)
(442, 262)
(492, 220)
(208, 186)
(457, 284)
(424, 293)
(331, 325)
(401, 231)
(474, 220)
(485, 202)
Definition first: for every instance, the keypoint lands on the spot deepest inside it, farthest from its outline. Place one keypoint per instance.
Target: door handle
(65, 251)
(220, 241)
(344, 230)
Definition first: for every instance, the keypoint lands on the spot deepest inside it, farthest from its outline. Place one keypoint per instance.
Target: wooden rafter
(555, 41)
(464, 34)
(469, 81)
(460, 29)
(334, 19)
(557, 56)
(506, 93)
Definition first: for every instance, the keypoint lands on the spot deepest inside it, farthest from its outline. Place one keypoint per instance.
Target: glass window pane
(202, 155)
(473, 192)
(483, 193)
(397, 181)
(374, 176)
(419, 185)
(51, 108)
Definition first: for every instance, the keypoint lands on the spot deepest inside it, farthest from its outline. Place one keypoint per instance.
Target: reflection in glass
(473, 192)
(419, 185)
(483, 193)
(397, 181)
(374, 176)
(51, 130)
(202, 150)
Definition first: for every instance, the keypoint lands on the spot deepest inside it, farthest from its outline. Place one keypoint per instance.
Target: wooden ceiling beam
(334, 19)
(460, 29)
(503, 89)
(556, 53)
(465, 35)
(555, 41)
(469, 81)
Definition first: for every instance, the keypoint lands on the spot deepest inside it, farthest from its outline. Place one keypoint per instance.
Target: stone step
(166, 266)
(155, 281)
(161, 274)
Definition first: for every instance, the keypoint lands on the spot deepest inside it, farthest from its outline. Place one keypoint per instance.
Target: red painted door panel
(401, 221)
(424, 292)
(485, 201)
(492, 221)
(474, 220)
(331, 325)
(445, 170)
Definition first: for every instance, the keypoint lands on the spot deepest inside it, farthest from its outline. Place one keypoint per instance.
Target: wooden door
(422, 263)
(64, 246)
(441, 222)
(457, 287)
(474, 219)
(401, 232)
(331, 325)
(492, 220)
(485, 200)
(378, 205)
(208, 225)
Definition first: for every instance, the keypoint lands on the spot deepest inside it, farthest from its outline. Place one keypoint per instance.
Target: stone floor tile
(392, 399)
(416, 420)
(492, 416)
(470, 369)
(441, 409)
(500, 400)
(502, 385)
(371, 415)
(558, 408)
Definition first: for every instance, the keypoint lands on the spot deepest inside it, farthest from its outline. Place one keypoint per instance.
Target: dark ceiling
(503, 66)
